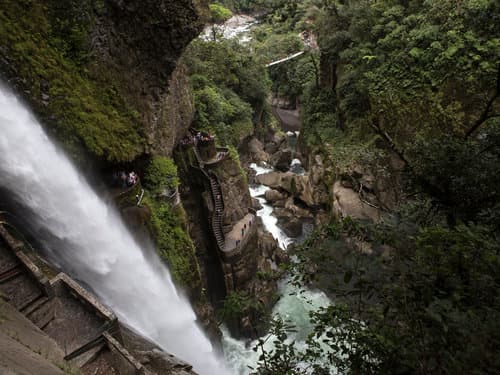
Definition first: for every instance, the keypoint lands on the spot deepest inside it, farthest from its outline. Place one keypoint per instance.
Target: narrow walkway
(218, 157)
(285, 59)
(235, 234)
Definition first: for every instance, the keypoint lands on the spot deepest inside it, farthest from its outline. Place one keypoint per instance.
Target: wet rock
(290, 225)
(256, 151)
(271, 179)
(282, 159)
(273, 195)
(281, 257)
(256, 204)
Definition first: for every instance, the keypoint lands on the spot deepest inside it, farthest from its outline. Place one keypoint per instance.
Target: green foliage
(240, 6)
(238, 304)
(235, 157)
(235, 305)
(228, 86)
(174, 244)
(161, 175)
(277, 38)
(47, 45)
(425, 302)
(283, 358)
(219, 14)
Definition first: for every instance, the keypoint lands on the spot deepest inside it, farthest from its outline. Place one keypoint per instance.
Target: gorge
(305, 187)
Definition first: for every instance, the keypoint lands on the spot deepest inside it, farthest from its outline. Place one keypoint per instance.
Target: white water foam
(294, 304)
(90, 241)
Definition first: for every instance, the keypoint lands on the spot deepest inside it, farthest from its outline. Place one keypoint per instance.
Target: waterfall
(88, 239)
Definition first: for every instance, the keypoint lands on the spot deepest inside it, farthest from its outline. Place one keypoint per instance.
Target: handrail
(129, 188)
(217, 228)
(135, 191)
(139, 200)
(216, 216)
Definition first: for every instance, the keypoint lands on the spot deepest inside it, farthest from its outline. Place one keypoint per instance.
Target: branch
(376, 126)
(485, 115)
(429, 187)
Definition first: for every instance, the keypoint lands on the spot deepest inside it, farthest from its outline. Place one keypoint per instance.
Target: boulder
(292, 226)
(282, 159)
(271, 148)
(271, 179)
(296, 210)
(256, 151)
(348, 203)
(256, 204)
(273, 195)
(300, 187)
(267, 244)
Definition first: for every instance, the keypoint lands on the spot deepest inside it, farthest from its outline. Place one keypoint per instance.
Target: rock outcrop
(298, 186)
(110, 88)
(145, 39)
(348, 203)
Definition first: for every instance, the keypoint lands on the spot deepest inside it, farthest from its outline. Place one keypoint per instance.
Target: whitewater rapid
(294, 305)
(88, 239)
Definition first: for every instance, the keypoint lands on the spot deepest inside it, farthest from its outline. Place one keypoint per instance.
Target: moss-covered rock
(97, 72)
(168, 225)
(80, 111)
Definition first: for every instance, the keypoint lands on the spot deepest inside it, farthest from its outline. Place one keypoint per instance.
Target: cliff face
(142, 41)
(100, 74)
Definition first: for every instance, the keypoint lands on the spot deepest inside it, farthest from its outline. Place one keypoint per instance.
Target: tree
(218, 15)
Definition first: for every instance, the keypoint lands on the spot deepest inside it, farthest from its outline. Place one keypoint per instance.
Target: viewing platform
(237, 238)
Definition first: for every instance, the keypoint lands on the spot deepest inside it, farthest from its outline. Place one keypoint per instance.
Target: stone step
(10, 273)
(29, 301)
(43, 316)
(31, 308)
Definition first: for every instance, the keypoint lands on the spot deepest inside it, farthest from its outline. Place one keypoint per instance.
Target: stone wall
(69, 318)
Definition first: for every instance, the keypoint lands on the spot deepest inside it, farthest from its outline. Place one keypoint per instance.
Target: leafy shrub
(174, 244)
(219, 13)
(161, 175)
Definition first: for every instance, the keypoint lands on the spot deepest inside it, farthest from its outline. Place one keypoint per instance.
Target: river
(294, 305)
(238, 26)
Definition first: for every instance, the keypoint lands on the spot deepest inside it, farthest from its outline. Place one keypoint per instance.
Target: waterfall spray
(88, 239)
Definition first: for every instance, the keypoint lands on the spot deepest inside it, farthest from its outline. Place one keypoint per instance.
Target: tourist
(132, 179)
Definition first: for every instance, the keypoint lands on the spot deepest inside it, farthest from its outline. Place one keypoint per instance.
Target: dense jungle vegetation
(418, 81)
